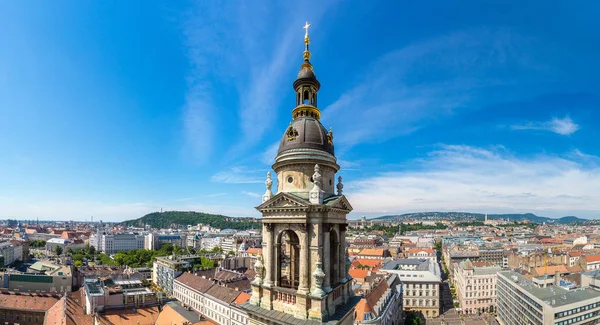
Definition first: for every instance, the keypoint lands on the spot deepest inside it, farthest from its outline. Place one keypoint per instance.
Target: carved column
(304, 259)
(327, 262)
(269, 254)
(342, 254)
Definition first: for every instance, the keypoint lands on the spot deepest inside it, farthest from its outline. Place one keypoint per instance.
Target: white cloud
(238, 175)
(462, 178)
(562, 126)
(252, 194)
(108, 211)
(427, 81)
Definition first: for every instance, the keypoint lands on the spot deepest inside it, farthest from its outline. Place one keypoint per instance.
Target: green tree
(413, 318)
(58, 250)
(37, 243)
(78, 264)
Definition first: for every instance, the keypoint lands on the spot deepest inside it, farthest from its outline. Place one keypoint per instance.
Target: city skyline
(120, 111)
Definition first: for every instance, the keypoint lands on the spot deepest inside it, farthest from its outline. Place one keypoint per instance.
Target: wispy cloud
(281, 53)
(251, 194)
(476, 179)
(427, 81)
(562, 126)
(238, 175)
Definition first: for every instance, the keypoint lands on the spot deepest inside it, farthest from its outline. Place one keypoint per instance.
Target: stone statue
(316, 195)
(340, 186)
(259, 268)
(268, 184)
(319, 277)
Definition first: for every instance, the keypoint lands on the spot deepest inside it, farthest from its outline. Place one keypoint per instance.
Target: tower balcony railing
(285, 295)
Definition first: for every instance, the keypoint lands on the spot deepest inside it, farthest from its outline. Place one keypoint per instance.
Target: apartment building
(475, 284)
(111, 243)
(9, 253)
(41, 276)
(421, 279)
(382, 304)
(521, 301)
(422, 253)
(218, 303)
(166, 268)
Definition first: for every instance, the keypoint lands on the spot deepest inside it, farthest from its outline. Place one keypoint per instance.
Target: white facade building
(218, 303)
(113, 243)
(421, 280)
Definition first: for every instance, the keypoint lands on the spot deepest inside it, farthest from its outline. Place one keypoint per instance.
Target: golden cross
(306, 26)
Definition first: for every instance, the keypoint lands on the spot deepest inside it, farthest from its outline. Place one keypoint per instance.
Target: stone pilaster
(343, 274)
(303, 286)
(266, 300)
(327, 262)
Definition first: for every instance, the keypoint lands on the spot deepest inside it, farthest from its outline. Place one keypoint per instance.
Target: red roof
(358, 273)
(418, 250)
(242, 298)
(367, 262)
(593, 258)
(371, 252)
(254, 251)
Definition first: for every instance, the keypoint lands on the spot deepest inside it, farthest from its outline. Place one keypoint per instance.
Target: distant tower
(304, 272)
(485, 221)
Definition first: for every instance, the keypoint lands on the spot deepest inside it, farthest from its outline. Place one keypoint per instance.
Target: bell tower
(302, 273)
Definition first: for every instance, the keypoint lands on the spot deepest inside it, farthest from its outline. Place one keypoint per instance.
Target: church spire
(306, 85)
(306, 54)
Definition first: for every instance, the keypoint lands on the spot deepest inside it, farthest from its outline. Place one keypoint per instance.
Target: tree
(58, 250)
(413, 318)
(78, 264)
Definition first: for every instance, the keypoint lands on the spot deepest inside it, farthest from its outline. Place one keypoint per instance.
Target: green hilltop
(183, 218)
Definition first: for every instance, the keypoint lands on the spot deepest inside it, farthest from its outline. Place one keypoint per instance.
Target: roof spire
(306, 53)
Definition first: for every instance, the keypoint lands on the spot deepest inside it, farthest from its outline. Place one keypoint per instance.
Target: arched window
(305, 98)
(288, 255)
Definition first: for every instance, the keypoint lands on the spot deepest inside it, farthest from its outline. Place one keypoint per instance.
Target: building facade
(382, 305)
(421, 279)
(303, 275)
(475, 284)
(216, 302)
(521, 301)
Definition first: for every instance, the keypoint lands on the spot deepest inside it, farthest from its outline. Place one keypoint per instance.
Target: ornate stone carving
(303, 227)
(291, 133)
(319, 277)
(259, 268)
(268, 184)
(269, 226)
(330, 136)
(316, 195)
(340, 186)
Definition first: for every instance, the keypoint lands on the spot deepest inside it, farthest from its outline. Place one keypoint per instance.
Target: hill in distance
(184, 218)
(480, 217)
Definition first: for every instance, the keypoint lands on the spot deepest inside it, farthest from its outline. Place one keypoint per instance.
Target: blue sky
(116, 109)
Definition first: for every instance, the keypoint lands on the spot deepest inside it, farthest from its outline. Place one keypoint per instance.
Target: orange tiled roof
(371, 252)
(592, 258)
(550, 269)
(26, 301)
(361, 308)
(358, 273)
(254, 251)
(418, 250)
(367, 262)
(551, 241)
(139, 316)
(242, 298)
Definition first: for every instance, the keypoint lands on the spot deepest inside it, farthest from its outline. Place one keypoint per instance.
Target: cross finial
(306, 26)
